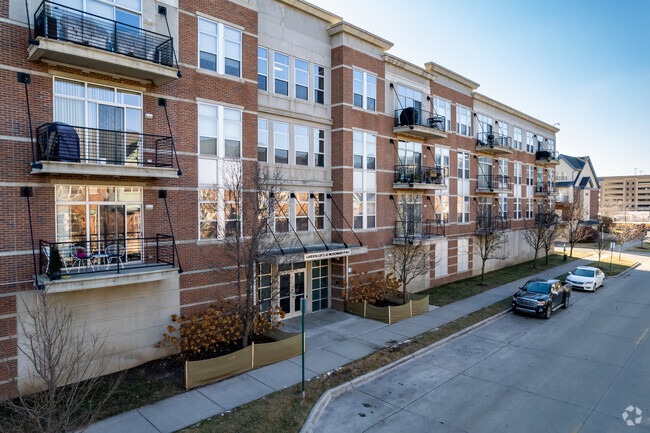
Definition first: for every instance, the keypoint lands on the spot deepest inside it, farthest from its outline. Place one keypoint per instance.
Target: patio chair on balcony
(79, 257)
(115, 251)
(46, 252)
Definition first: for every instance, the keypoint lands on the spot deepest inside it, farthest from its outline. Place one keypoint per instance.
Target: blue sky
(584, 64)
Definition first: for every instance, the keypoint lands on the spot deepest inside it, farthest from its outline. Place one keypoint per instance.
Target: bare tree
(574, 221)
(629, 233)
(249, 208)
(552, 233)
(64, 390)
(601, 246)
(412, 258)
(535, 232)
(490, 236)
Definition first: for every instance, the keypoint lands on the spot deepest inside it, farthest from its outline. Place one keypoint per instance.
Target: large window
(319, 148)
(442, 159)
(462, 210)
(218, 213)
(443, 108)
(219, 48)
(301, 207)
(123, 11)
(220, 131)
(301, 73)
(282, 213)
(262, 140)
(262, 68)
(365, 90)
(529, 175)
(529, 208)
(517, 138)
(441, 206)
(530, 147)
(517, 209)
(106, 110)
(517, 172)
(484, 172)
(463, 120)
(94, 217)
(503, 128)
(319, 284)
(409, 153)
(301, 210)
(485, 123)
(301, 144)
(463, 165)
(281, 142)
(409, 98)
(364, 180)
(281, 73)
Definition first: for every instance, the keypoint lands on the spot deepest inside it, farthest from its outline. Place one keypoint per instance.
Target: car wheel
(548, 312)
(565, 304)
(514, 309)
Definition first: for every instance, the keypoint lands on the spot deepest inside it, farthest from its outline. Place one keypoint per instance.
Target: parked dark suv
(541, 297)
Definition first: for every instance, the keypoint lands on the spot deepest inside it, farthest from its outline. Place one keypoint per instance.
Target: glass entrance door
(292, 290)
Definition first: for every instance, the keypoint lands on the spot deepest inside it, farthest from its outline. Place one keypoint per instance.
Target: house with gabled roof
(576, 178)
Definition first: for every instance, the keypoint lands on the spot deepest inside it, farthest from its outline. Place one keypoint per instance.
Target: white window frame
(220, 67)
(275, 78)
(463, 255)
(266, 71)
(463, 165)
(317, 78)
(263, 138)
(366, 86)
(442, 107)
(296, 72)
(442, 157)
(517, 208)
(220, 136)
(530, 178)
(365, 181)
(462, 209)
(517, 137)
(517, 170)
(463, 118)
(530, 147)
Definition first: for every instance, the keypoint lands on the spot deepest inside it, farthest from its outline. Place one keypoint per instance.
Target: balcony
(544, 189)
(546, 157)
(546, 219)
(418, 232)
(492, 184)
(491, 143)
(106, 262)
(491, 223)
(82, 39)
(418, 177)
(562, 200)
(419, 123)
(64, 149)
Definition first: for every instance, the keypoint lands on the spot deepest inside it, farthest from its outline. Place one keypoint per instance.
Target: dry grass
(285, 411)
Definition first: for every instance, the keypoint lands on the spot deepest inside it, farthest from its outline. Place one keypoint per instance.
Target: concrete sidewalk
(333, 339)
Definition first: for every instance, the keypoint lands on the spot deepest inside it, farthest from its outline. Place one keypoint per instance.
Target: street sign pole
(303, 307)
(611, 255)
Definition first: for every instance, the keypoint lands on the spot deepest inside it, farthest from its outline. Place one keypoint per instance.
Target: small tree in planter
(56, 263)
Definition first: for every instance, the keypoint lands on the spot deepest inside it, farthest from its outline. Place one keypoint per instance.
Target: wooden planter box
(417, 304)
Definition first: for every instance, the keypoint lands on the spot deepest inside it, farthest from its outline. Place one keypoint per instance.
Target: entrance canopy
(322, 251)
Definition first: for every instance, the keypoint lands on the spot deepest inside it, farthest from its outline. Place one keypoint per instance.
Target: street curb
(319, 408)
(634, 266)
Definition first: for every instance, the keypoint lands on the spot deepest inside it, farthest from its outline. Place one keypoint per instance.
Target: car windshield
(584, 273)
(537, 287)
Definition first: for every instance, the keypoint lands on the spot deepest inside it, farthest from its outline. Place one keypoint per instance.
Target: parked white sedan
(587, 278)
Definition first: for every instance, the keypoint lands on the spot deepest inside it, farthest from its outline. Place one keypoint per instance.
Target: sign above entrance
(328, 254)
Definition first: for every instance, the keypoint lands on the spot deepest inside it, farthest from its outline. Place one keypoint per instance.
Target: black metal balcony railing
(492, 222)
(418, 230)
(412, 116)
(419, 174)
(491, 139)
(65, 143)
(546, 154)
(493, 182)
(546, 219)
(545, 188)
(107, 254)
(56, 21)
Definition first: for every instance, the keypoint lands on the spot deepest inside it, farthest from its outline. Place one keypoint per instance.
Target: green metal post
(303, 308)
(610, 260)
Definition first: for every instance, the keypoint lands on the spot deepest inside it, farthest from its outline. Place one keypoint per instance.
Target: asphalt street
(577, 372)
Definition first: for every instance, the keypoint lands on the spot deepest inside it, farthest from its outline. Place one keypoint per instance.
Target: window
(281, 214)
(485, 124)
(409, 98)
(443, 108)
(231, 213)
(319, 84)
(262, 140)
(319, 148)
(503, 128)
(213, 119)
(517, 172)
(551, 178)
(529, 208)
(463, 165)
(503, 174)
(262, 68)
(529, 142)
(462, 203)
(503, 207)
(90, 213)
(463, 120)
(409, 215)
(364, 180)
(302, 211)
(551, 145)
(540, 142)
(485, 172)
(517, 209)
(529, 175)
(301, 144)
(463, 255)
(125, 11)
(319, 284)
(264, 284)
(281, 142)
(106, 108)
(281, 73)
(442, 159)
(365, 90)
(409, 153)
(517, 138)
(301, 73)
(319, 210)
(441, 206)
(219, 48)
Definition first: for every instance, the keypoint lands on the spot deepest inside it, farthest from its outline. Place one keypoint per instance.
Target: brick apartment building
(132, 101)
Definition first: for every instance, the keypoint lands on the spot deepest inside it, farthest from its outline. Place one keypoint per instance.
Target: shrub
(587, 234)
(372, 289)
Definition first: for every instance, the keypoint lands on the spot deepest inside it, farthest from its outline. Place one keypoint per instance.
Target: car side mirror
(570, 273)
